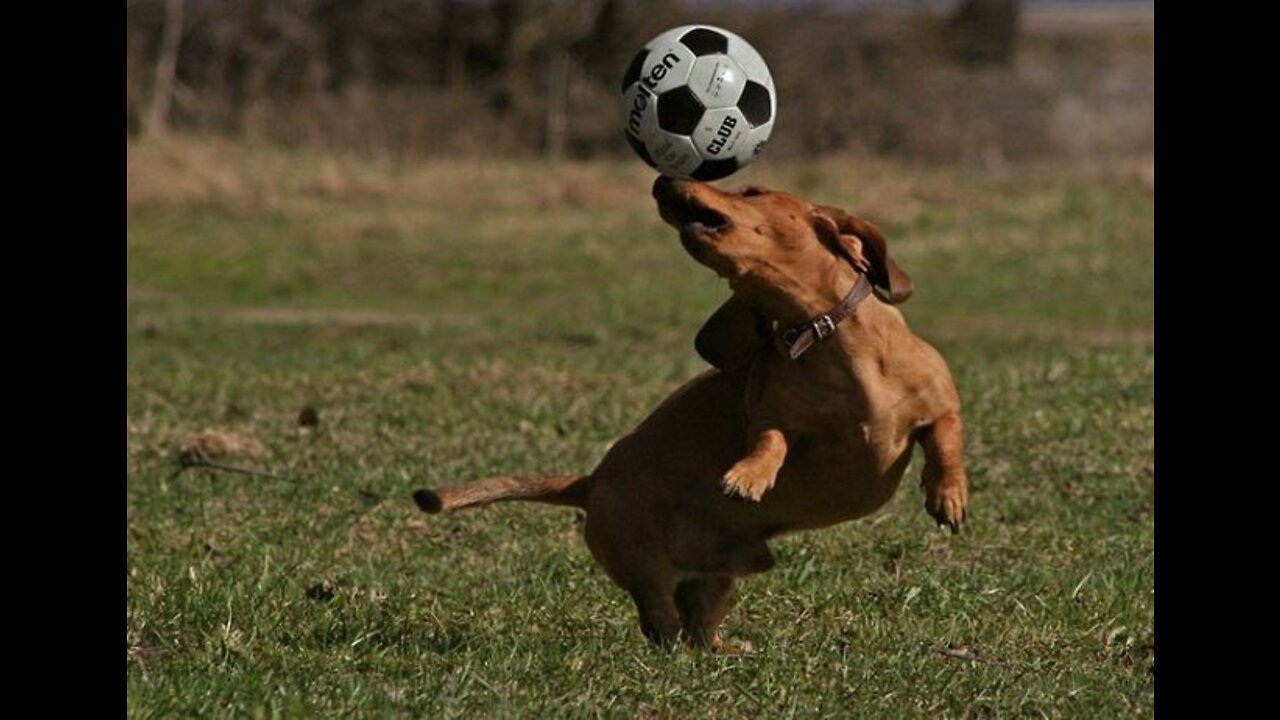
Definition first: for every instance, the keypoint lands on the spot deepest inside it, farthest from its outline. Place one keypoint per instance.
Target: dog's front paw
(748, 479)
(947, 502)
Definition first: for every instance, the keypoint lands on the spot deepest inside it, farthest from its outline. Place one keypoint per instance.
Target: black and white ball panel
(715, 169)
(705, 41)
(679, 111)
(717, 81)
(756, 103)
(640, 149)
(673, 154)
(719, 133)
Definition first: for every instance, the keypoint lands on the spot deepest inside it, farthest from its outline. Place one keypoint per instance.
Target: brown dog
(813, 412)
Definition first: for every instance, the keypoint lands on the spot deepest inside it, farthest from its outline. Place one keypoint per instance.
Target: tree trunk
(558, 70)
(157, 122)
(457, 39)
(984, 32)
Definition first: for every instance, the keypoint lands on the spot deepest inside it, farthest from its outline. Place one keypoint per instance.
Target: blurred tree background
(987, 81)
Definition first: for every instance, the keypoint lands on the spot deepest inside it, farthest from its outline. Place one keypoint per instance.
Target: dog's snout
(662, 186)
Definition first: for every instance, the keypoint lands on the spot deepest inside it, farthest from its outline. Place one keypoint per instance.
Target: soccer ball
(698, 102)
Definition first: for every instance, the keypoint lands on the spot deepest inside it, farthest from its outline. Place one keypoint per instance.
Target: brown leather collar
(796, 340)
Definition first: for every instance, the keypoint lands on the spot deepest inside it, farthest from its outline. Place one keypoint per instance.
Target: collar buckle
(799, 338)
(823, 326)
(791, 335)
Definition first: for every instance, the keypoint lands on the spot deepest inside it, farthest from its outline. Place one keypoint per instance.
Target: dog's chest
(847, 447)
(832, 479)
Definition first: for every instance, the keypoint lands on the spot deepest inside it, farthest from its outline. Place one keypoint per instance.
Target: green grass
(454, 321)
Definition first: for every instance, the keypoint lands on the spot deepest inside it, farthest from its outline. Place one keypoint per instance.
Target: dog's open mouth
(691, 217)
(700, 227)
(680, 206)
(704, 220)
(703, 229)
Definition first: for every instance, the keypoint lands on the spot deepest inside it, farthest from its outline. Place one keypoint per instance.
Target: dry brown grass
(216, 443)
(502, 196)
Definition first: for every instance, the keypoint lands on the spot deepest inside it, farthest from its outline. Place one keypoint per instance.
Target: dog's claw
(948, 504)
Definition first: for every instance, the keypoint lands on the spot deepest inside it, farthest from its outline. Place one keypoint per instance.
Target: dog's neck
(857, 338)
(787, 300)
(798, 339)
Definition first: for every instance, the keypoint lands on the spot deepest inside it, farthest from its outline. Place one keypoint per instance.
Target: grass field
(457, 320)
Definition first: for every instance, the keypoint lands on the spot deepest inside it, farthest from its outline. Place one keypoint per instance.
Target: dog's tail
(569, 490)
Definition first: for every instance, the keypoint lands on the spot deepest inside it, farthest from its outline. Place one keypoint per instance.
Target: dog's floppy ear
(862, 244)
(732, 335)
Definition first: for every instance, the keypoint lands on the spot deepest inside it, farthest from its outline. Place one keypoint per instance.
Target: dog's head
(779, 252)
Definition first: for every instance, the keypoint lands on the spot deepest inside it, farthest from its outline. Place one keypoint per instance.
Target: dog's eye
(752, 191)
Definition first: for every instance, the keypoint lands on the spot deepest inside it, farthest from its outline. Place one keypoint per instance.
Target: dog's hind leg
(659, 617)
(622, 537)
(703, 602)
(946, 486)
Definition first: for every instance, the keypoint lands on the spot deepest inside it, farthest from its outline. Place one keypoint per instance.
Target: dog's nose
(662, 185)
